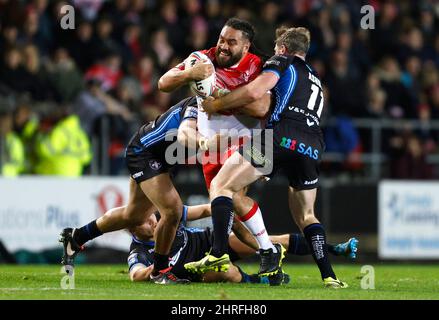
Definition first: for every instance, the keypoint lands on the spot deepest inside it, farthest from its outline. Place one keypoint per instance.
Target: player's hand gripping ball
(203, 74)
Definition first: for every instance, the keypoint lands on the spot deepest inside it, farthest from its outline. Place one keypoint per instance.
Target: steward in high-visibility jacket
(64, 150)
(12, 155)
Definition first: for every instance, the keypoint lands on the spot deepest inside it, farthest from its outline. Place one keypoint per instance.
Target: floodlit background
(381, 116)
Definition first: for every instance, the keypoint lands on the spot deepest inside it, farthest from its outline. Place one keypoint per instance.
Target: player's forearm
(173, 79)
(238, 98)
(188, 135)
(258, 108)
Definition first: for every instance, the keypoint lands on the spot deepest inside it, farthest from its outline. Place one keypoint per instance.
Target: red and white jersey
(230, 78)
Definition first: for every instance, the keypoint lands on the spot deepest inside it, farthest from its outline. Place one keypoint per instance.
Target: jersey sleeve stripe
(291, 87)
(159, 129)
(184, 217)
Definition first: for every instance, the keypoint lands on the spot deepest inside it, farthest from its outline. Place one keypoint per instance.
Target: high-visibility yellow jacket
(13, 155)
(64, 151)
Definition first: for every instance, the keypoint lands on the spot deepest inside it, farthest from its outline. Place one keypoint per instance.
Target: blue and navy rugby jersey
(298, 94)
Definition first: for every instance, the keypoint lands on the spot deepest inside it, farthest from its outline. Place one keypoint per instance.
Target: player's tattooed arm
(178, 76)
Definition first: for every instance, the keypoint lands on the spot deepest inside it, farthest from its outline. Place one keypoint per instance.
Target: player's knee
(219, 187)
(216, 187)
(134, 217)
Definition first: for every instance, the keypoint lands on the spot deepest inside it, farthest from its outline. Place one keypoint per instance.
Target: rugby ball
(202, 88)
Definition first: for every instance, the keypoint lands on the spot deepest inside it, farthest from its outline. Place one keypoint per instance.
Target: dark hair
(245, 27)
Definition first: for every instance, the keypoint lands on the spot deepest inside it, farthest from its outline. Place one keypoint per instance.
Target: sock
(331, 249)
(222, 220)
(315, 235)
(161, 261)
(86, 233)
(298, 245)
(255, 224)
(250, 278)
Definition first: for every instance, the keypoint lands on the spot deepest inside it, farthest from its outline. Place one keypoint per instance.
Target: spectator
(11, 147)
(266, 25)
(163, 51)
(146, 74)
(345, 86)
(8, 39)
(103, 41)
(35, 78)
(409, 159)
(398, 99)
(12, 74)
(26, 123)
(62, 147)
(107, 71)
(82, 46)
(94, 104)
(131, 47)
(65, 78)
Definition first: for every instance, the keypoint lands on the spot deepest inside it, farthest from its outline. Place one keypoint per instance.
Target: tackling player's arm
(189, 136)
(179, 76)
(252, 91)
(244, 95)
(258, 108)
(198, 212)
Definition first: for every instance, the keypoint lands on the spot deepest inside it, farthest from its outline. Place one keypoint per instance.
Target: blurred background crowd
(62, 90)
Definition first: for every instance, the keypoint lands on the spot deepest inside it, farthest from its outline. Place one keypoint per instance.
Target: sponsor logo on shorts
(155, 165)
(300, 147)
(311, 182)
(137, 174)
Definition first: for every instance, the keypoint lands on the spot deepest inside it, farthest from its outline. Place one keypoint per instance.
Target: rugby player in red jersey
(234, 66)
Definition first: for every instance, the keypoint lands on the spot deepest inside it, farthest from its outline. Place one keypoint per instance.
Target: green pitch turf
(111, 282)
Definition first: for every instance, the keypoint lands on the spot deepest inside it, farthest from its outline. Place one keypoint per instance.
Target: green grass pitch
(392, 281)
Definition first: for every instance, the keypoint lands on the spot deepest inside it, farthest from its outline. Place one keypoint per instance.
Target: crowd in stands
(107, 67)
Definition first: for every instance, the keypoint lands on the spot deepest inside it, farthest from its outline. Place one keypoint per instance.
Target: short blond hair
(296, 40)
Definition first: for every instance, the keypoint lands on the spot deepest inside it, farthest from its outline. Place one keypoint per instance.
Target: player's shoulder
(250, 61)
(299, 63)
(278, 60)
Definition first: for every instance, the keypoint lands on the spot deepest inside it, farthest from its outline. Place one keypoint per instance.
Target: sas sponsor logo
(300, 147)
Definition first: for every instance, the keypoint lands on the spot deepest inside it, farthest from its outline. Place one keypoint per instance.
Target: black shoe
(71, 247)
(165, 276)
(279, 278)
(270, 261)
